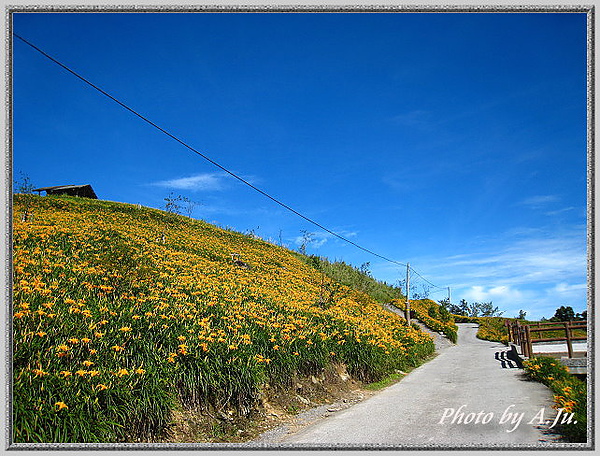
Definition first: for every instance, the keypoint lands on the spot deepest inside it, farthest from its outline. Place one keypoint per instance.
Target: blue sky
(455, 142)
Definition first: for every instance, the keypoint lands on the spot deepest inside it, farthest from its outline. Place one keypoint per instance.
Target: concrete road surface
(470, 395)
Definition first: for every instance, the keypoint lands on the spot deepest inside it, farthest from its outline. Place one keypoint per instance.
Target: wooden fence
(523, 334)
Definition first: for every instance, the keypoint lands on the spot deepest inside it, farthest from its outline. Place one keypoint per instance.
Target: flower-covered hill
(124, 313)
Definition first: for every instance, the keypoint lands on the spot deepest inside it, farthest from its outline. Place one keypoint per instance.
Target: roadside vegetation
(570, 394)
(124, 315)
(432, 315)
(492, 329)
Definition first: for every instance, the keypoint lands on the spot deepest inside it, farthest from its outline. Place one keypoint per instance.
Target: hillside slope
(123, 314)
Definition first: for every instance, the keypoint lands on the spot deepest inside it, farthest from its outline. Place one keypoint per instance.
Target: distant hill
(125, 314)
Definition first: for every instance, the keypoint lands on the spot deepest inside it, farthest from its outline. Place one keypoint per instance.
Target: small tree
(450, 308)
(307, 238)
(24, 187)
(521, 315)
(487, 309)
(173, 204)
(188, 205)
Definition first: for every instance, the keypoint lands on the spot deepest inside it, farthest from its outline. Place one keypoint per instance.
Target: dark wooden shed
(85, 191)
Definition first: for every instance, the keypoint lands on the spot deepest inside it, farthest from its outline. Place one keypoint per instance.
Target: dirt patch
(280, 410)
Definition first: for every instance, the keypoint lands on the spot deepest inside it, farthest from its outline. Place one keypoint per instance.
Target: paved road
(473, 378)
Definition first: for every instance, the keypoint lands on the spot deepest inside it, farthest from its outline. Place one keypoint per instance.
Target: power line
(170, 135)
(145, 119)
(433, 285)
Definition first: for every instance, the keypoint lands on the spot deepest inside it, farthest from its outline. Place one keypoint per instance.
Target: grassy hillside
(432, 315)
(490, 328)
(123, 314)
(356, 278)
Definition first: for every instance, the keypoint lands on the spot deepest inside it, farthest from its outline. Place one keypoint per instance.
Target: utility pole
(449, 296)
(407, 293)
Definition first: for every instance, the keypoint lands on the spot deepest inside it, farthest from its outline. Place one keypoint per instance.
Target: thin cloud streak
(539, 201)
(198, 182)
(204, 182)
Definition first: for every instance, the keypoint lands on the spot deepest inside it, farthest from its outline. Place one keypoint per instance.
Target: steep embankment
(124, 314)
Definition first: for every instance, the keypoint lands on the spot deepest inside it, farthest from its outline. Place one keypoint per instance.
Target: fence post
(521, 330)
(569, 343)
(528, 342)
(508, 326)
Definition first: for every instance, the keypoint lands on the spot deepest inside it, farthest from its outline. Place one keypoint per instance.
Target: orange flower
(122, 372)
(61, 405)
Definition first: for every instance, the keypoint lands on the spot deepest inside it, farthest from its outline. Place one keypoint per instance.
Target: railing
(522, 334)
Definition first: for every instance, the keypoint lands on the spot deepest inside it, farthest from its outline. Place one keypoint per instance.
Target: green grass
(395, 376)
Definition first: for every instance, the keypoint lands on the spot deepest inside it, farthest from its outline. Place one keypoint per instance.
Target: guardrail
(522, 334)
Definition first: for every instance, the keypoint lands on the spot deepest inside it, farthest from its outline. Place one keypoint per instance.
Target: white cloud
(564, 288)
(538, 201)
(501, 293)
(539, 260)
(560, 211)
(534, 270)
(197, 182)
